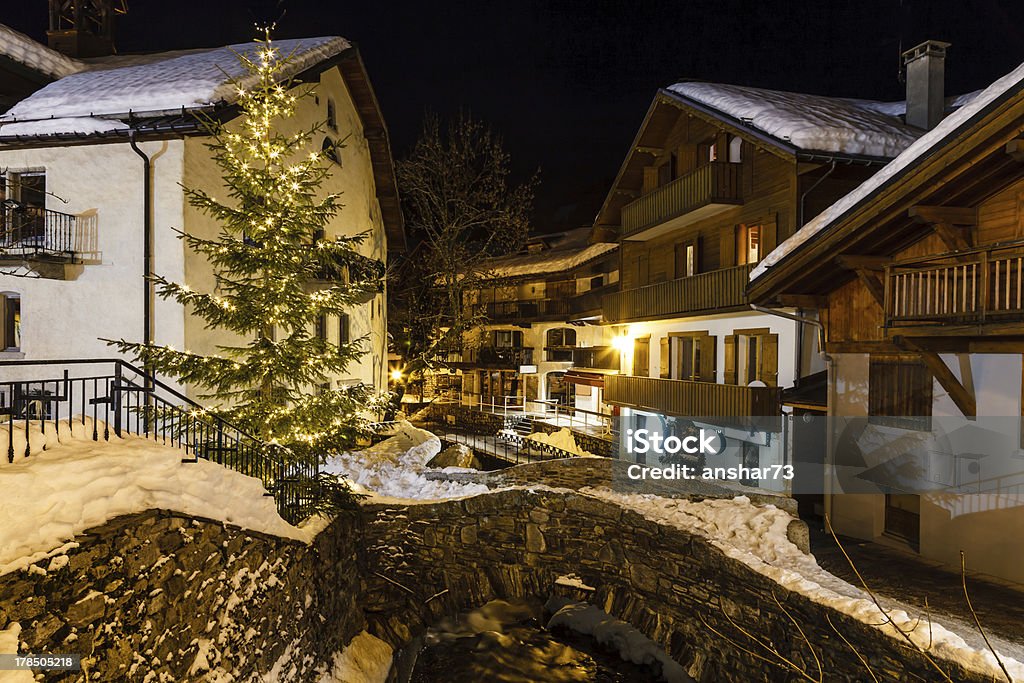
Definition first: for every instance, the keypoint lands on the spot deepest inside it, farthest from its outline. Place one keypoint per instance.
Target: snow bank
(394, 468)
(77, 483)
(562, 439)
(367, 659)
(631, 645)
(756, 536)
(918, 149)
(166, 81)
(9, 646)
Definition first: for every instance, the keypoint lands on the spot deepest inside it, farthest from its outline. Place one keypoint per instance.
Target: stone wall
(163, 593)
(673, 586)
(606, 448)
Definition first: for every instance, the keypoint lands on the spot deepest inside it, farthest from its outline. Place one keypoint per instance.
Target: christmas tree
(276, 282)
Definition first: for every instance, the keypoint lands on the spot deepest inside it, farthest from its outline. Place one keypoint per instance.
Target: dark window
(343, 329)
(900, 392)
(561, 336)
(331, 150)
(332, 116)
(11, 310)
(321, 326)
(508, 339)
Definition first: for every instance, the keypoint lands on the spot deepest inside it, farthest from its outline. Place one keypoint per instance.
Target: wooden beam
(874, 285)
(862, 347)
(853, 262)
(642, 149)
(963, 398)
(1015, 148)
(952, 236)
(804, 300)
(965, 344)
(954, 215)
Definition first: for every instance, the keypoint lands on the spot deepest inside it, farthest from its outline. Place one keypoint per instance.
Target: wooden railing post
(984, 302)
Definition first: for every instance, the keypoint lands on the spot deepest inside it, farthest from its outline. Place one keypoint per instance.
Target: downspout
(800, 206)
(830, 370)
(147, 248)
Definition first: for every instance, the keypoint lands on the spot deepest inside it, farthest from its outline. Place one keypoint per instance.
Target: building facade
(917, 277)
(77, 204)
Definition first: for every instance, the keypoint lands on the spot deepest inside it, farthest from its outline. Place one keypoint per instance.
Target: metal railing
(718, 182)
(975, 286)
(714, 290)
(27, 231)
(104, 397)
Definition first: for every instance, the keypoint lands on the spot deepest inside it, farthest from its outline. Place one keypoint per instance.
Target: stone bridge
(159, 592)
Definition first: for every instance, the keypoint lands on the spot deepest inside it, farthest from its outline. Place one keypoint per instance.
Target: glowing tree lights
(274, 379)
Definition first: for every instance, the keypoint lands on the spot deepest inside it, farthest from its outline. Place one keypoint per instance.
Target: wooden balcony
(497, 358)
(710, 189)
(735, 403)
(550, 309)
(711, 292)
(597, 357)
(937, 294)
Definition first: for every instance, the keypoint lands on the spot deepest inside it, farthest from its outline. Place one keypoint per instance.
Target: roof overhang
(969, 164)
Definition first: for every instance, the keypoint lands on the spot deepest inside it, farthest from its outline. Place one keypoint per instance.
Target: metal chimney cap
(929, 48)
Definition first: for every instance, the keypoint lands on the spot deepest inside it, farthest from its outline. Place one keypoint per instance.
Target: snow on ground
(756, 536)
(620, 636)
(9, 646)
(394, 468)
(77, 483)
(367, 659)
(924, 145)
(562, 439)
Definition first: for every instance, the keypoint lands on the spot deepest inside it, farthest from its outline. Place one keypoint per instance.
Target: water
(506, 643)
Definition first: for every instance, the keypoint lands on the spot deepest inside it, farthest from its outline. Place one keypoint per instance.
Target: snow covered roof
(927, 144)
(36, 56)
(86, 100)
(565, 253)
(810, 122)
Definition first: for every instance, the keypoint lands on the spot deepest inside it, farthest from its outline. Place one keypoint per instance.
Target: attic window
(331, 151)
(332, 116)
(735, 149)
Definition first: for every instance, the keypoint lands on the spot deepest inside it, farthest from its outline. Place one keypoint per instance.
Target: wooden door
(903, 516)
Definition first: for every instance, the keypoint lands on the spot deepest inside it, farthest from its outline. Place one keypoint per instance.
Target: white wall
(718, 326)
(102, 298)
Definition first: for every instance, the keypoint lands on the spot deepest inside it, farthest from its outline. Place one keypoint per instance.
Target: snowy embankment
(563, 439)
(756, 536)
(76, 484)
(393, 468)
(366, 659)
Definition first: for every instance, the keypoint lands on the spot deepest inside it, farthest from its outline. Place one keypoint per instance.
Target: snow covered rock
(456, 455)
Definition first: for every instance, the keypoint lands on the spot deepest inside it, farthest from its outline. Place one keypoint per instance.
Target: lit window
(735, 149)
(11, 310)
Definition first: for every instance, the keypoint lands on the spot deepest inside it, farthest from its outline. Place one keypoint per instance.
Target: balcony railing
(495, 357)
(598, 357)
(35, 232)
(694, 399)
(984, 285)
(715, 183)
(706, 292)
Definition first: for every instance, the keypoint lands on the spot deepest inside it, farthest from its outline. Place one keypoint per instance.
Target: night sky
(567, 83)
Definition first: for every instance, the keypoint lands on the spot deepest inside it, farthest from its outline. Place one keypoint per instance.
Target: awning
(590, 379)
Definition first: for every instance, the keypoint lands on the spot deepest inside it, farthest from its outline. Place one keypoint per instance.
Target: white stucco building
(73, 155)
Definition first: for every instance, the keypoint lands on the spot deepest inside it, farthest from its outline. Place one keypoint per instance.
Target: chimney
(83, 28)
(926, 75)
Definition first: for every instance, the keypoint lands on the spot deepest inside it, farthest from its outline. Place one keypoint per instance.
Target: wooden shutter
(650, 179)
(730, 359)
(727, 254)
(643, 270)
(769, 371)
(517, 339)
(697, 246)
(665, 359)
(708, 357)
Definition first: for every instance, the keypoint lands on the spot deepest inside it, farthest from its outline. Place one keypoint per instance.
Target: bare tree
(462, 207)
